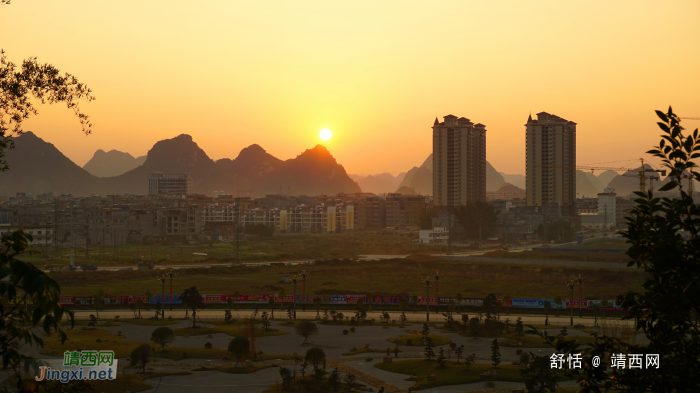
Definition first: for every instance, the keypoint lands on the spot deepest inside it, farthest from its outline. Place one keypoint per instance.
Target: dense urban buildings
(169, 184)
(136, 219)
(551, 162)
(459, 161)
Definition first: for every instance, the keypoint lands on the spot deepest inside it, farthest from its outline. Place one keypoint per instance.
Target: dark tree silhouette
(33, 81)
(193, 300)
(476, 219)
(163, 336)
(307, 329)
(140, 356)
(239, 348)
(664, 242)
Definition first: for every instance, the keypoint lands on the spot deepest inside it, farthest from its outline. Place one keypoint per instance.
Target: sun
(325, 134)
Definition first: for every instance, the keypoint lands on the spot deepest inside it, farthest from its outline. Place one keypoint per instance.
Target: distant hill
(606, 177)
(510, 188)
(629, 183)
(405, 191)
(38, 167)
(516, 180)
(494, 180)
(379, 183)
(312, 172)
(112, 163)
(585, 188)
(421, 178)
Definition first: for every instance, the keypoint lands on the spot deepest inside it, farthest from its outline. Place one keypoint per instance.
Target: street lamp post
(436, 278)
(170, 274)
(579, 281)
(294, 280)
(570, 286)
(302, 276)
(427, 281)
(162, 280)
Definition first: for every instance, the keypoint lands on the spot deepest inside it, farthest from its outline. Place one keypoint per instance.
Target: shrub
(163, 336)
(352, 329)
(239, 348)
(346, 331)
(207, 345)
(519, 352)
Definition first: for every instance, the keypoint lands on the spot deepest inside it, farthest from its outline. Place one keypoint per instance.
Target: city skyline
(232, 75)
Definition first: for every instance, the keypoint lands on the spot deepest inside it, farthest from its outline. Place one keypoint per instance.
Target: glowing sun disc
(325, 134)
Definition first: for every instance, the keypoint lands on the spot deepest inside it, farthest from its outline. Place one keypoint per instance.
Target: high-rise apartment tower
(459, 161)
(551, 162)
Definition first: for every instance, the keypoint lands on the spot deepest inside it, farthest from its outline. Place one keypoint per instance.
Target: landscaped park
(250, 352)
(466, 344)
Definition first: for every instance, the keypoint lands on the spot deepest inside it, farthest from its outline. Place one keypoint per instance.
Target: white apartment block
(301, 219)
(607, 206)
(169, 184)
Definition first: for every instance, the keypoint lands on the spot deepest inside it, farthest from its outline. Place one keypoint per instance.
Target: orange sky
(234, 73)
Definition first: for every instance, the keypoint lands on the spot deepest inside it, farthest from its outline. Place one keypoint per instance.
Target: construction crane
(690, 118)
(642, 172)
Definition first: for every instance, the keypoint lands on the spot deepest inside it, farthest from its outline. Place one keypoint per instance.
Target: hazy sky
(234, 73)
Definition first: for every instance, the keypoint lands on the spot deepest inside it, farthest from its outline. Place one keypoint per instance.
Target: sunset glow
(325, 134)
(232, 74)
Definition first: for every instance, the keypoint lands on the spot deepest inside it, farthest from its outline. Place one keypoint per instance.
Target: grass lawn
(416, 340)
(452, 373)
(83, 322)
(79, 340)
(620, 257)
(232, 329)
(150, 322)
(281, 246)
(392, 276)
(234, 370)
(369, 350)
(130, 382)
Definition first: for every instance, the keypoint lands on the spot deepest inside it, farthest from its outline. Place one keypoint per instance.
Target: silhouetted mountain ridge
(38, 167)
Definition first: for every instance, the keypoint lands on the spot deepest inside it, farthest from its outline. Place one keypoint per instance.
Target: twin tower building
(459, 162)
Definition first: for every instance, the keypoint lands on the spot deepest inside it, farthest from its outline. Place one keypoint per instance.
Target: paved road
(417, 317)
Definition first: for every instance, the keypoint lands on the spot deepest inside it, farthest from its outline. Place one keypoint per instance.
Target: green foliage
(20, 281)
(425, 331)
(163, 336)
(667, 308)
(558, 231)
(425, 216)
(140, 356)
(34, 82)
(315, 357)
(474, 326)
(441, 359)
(538, 374)
(239, 348)
(495, 353)
(476, 219)
(519, 327)
(490, 304)
(193, 300)
(306, 329)
(428, 352)
(258, 230)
